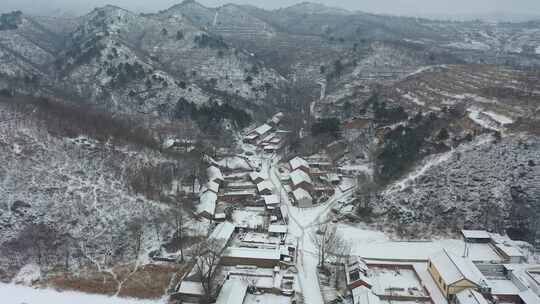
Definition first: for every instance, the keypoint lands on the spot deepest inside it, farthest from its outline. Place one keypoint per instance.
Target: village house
(241, 185)
(212, 186)
(509, 253)
(277, 230)
(271, 201)
(257, 177)
(363, 295)
(260, 257)
(299, 163)
(265, 188)
(302, 198)
(214, 175)
(189, 292)
(233, 292)
(469, 296)
(190, 288)
(453, 274)
(476, 236)
(356, 273)
(207, 204)
(276, 119)
(239, 196)
(300, 179)
(258, 133)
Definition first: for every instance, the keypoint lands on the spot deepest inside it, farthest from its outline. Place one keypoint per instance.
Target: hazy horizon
(423, 8)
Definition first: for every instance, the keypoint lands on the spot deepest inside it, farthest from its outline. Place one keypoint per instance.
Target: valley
(237, 155)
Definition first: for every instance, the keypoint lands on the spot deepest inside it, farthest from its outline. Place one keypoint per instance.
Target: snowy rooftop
(298, 162)
(234, 163)
(265, 185)
(255, 175)
(363, 295)
(277, 117)
(222, 231)
(263, 129)
(247, 192)
(475, 234)
(470, 296)
(453, 268)
(191, 288)
(298, 176)
(529, 297)
(509, 250)
(301, 194)
(214, 173)
(212, 186)
(207, 203)
(252, 253)
(270, 200)
(249, 217)
(277, 229)
(232, 292)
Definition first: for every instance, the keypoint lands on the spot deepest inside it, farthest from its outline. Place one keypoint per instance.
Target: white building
(207, 204)
(363, 295)
(302, 198)
(233, 292)
(300, 179)
(299, 163)
(265, 188)
(470, 296)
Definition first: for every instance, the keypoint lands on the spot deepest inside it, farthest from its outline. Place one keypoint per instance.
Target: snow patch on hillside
(414, 100)
(28, 275)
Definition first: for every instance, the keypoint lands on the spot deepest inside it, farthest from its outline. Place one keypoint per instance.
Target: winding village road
(302, 224)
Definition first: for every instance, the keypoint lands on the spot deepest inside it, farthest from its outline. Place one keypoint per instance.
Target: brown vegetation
(149, 282)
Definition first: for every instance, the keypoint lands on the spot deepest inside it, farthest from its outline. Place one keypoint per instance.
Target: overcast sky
(395, 7)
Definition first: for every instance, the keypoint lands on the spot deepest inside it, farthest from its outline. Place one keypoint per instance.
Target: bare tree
(329, 242)
(208, 255)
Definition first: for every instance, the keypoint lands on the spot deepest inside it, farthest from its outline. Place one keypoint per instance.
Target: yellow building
(453, 274)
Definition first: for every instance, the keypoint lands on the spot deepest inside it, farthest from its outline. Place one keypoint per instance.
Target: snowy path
(302, 223)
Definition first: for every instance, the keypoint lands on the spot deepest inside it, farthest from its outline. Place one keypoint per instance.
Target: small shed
(356, 273)
(299, 163)
(300, 179)
(260, 257)
(510, 254)
(476, 236)
(256, 177)
(364, 295)
(189, 291)
(233, 292)
(207, 204)
(271, 201)
(470, 296)
(277, 230)
(215, 175)
(302, 198)
(265, 188)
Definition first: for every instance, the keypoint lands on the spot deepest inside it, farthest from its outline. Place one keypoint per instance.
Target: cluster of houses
(250, 264)
(251, 227)
(267, 136)
(459, 279)
(310, 179)
(233, 184)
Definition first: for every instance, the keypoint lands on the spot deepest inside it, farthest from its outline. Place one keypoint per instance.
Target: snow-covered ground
(414, 100)
(16, 294)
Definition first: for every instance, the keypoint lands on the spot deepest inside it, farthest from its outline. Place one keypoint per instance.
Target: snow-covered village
(341, 152)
